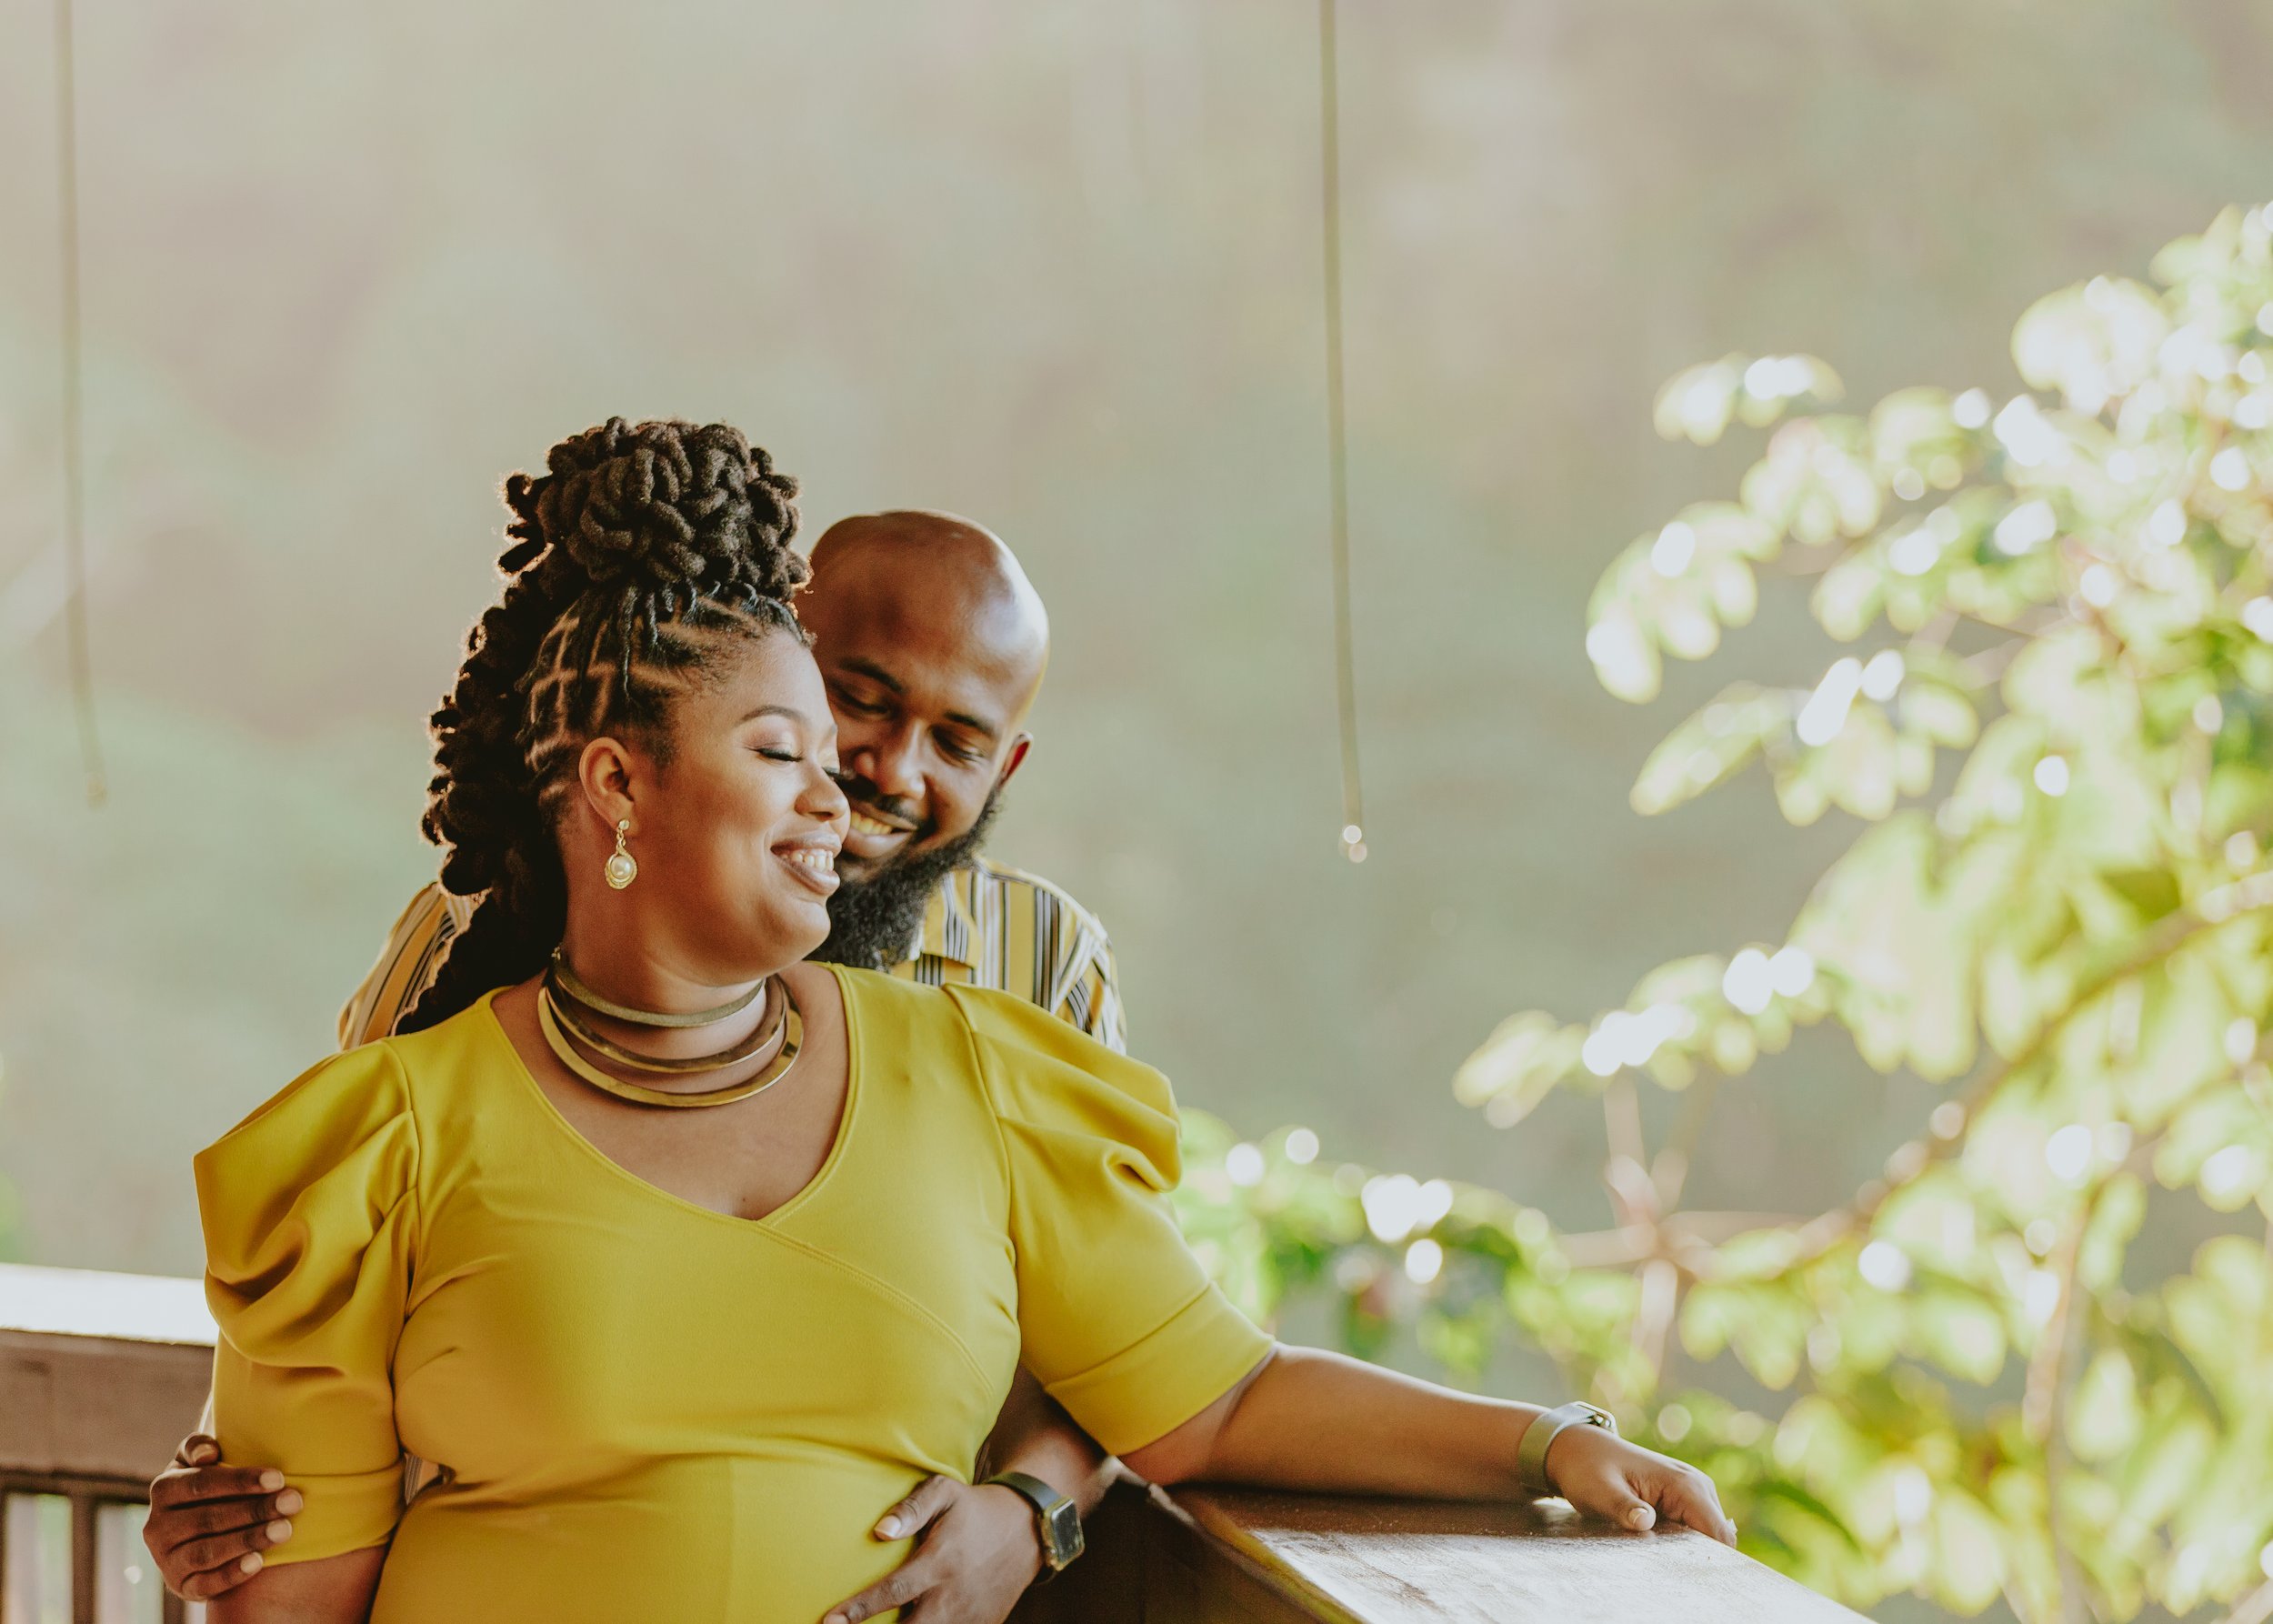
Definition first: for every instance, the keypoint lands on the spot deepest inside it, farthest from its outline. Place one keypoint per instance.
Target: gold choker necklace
(552, 1016)
(573, 984)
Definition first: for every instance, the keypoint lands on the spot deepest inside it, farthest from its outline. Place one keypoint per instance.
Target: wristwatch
(1531, 1455)
(1059, 1519)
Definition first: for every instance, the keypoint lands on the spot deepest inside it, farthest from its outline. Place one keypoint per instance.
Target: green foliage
(2057, 730)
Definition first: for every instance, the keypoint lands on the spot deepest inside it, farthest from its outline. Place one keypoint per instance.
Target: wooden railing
(1228, 1557)
(100, 1374)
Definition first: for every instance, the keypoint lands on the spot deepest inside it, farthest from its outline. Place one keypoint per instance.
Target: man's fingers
(205, 1587)
(188, 1486)
(197, 1450)
(916, 1513)
(913, 1577)
(183, 1525)
(225, 1552)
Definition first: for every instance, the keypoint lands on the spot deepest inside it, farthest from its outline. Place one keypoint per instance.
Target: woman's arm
(1305, 1418)
(329, 1591)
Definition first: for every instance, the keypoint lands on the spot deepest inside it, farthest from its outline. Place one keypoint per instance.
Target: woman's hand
(209, 1523)
(1602, 1475)
(978, 1549)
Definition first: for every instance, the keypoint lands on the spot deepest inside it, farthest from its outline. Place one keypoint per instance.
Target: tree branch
(1670, 1172)
(2044, 1415)
(2251, 895)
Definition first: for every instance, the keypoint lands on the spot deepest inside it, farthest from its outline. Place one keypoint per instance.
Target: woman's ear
(604, 773)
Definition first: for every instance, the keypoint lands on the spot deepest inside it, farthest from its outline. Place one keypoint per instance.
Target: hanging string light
(1336, 442)
(80, 653)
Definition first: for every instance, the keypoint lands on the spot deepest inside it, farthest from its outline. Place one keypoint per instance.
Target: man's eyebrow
(869, 668)
(874, 672)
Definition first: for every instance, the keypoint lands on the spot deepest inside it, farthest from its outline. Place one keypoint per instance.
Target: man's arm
(1036, 1436)
(978, 1545)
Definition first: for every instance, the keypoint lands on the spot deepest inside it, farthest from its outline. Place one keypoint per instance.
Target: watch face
(1064, 1529)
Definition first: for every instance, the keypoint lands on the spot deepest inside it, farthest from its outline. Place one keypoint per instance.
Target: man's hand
(978, 1549)
(1603, 1475)
(209, 1523)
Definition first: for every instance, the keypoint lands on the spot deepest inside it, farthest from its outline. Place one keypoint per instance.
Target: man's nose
(889, 762)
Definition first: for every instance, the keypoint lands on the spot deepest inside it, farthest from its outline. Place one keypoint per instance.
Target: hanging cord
(1337, 443)
(81, 656)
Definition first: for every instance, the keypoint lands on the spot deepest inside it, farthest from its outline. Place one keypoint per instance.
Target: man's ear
(1015, 758)
(604, 774)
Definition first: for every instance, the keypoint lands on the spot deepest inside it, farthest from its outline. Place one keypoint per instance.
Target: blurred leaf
(1523, 1059)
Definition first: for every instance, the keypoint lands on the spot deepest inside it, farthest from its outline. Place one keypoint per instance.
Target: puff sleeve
(310, 1213)
(1118, 1318)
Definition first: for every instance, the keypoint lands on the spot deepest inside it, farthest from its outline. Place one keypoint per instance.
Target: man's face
(929, 679)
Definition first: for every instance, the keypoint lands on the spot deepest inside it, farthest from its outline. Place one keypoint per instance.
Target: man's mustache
(892, 809)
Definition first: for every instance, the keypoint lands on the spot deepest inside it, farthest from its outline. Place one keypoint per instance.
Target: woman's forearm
(1312, 1420)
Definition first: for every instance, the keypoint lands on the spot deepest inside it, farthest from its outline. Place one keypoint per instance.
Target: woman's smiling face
(737, 828)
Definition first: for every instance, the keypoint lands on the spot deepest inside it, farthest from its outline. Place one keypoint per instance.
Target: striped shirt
(986, 926)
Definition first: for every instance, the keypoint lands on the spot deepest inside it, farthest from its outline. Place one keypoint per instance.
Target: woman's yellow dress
(644, 1409)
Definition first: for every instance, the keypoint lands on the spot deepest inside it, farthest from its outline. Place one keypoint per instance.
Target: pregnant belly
(737, 1541)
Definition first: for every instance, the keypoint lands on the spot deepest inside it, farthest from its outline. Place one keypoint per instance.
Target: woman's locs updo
(634, 560)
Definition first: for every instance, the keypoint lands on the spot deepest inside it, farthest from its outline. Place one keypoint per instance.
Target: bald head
(937, 568)
(933, 643)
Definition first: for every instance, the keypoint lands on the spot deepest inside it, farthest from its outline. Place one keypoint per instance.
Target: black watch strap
(1059, 1519)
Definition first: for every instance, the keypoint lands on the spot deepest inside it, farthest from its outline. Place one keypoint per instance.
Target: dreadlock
(642, 553)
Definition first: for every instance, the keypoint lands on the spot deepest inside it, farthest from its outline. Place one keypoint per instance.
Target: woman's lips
(814, 865)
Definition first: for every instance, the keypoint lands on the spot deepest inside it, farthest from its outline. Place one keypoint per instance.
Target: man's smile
(871, 836)
(867, 825)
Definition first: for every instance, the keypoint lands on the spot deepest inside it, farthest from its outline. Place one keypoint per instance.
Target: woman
(678, 1256)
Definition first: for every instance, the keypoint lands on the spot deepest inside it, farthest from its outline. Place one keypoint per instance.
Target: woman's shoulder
(362, 1096)
(337, 1146)
(1043, 1074)
(898, 1009)
(363, 1084)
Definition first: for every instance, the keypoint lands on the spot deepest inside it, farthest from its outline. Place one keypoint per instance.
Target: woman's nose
(823, 799)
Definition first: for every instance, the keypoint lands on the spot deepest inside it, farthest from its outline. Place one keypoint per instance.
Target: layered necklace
(563, 997)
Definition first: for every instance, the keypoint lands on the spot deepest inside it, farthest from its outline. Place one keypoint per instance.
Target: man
(933, 645)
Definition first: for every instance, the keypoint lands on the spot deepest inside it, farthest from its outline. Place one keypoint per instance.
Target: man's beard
(873, 922)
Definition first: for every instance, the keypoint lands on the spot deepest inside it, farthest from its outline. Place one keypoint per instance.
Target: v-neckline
(488, 1005)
